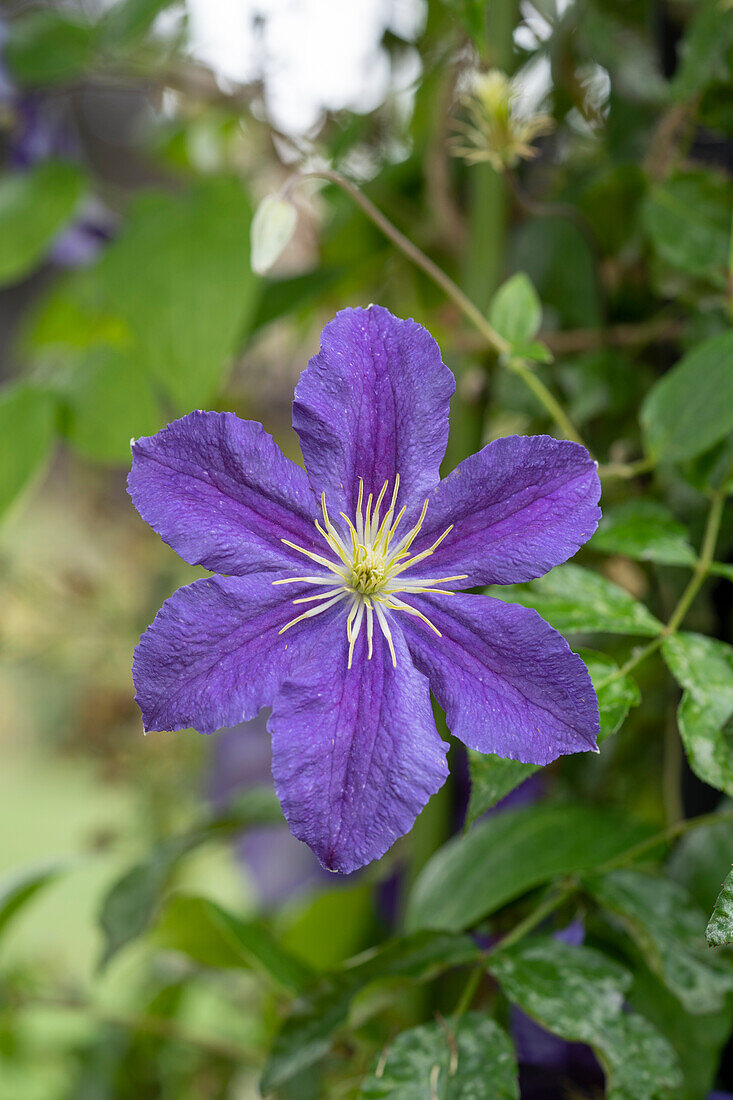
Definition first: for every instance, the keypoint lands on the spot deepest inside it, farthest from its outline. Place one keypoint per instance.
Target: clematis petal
(373, 403)
(221, 492)
(519, 507)
(508, 683)
(355, 752)
(213, 656)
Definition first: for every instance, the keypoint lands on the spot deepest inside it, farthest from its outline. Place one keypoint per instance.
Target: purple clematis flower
(340, 607)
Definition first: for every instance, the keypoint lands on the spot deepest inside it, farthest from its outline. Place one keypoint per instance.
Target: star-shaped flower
(336, 601)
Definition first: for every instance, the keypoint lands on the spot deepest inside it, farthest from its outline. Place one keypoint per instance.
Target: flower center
(367, 568)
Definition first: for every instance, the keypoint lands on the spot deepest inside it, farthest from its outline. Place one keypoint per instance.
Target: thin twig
(493, 339)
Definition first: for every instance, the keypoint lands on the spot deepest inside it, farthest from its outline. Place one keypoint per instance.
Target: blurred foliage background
(567, 163)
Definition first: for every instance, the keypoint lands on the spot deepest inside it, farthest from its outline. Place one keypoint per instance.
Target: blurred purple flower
(356, 754)
(280, 866)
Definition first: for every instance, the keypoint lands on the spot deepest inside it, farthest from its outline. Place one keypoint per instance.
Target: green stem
(672, 832)
(626, 469)
(494, 340)
(701, 571)
(546, 907)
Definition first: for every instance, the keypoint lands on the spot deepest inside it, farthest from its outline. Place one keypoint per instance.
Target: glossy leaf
(476, 1061)
(578, 994)
(720, 926)
(575, 600)
(510, 853)
(34, 208)
(516, 310)
(669, 929)
(646, 531)
(26, 435)
(211, 936)
(691, 407)
(687, 218)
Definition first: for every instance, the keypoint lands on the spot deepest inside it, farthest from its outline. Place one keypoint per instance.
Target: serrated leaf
(579, 994)
(476, 1061)
(516, 310)
(720, 926)
(576, 600)
(669, 929)
(207, 933)
(691, 407)
(34, 208)
(26, 434)
(646, 531)
(510, 853)
(687, 218)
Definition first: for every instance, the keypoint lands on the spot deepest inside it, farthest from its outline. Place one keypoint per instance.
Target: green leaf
(493, 778)
(131, 905)
(17, 890)
(330, 925)
(578, 994)
(510, 853)
(646, 531)
(687, 218)
(213, 937)
(704, 667)
(576, 600)
(307, 1034)
(179, 277)
(110, 401)
(26, 436)
(705, 52)
(46, 47)
(615, 698)
(669, 929)
(697, 1041)
(691, 407)
(134, 900)
(34, 207)
(128, 21)
(516, 310)
(476, 1061)
(708, 742)
(720, 927)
